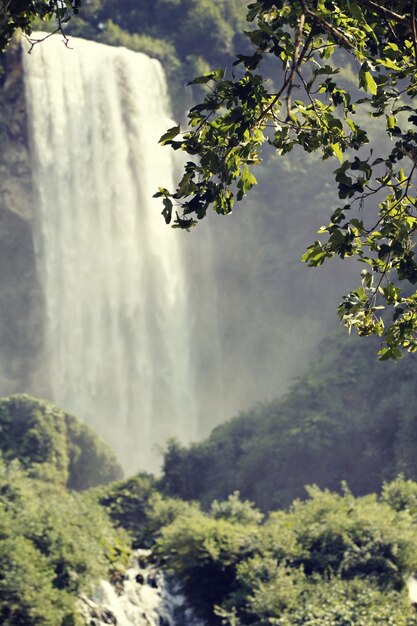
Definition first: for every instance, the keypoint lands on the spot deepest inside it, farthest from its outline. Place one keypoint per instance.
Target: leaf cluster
(333, 560)
(53, 545)
(308, 42)
(54, 446)
(19, 15)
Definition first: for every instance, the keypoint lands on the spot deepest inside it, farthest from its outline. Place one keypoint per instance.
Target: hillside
(348, 418)
(53, 445)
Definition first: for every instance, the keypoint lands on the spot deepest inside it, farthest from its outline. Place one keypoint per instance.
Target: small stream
(143, 596)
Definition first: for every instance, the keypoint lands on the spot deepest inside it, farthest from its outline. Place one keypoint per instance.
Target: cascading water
(142, 596)
(116, 345)
(150, 333)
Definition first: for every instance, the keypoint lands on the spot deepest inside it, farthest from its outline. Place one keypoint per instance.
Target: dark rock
(152, 582)
(107, 617)
(117, 579)
(21, 300)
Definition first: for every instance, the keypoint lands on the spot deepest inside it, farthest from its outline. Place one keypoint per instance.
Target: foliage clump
(332, 560)
(53, 445)
(347, 418)
(54, 544)
(308, 105)
(15, 15)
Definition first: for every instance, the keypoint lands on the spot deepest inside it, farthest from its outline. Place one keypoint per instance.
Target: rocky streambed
(142, 596)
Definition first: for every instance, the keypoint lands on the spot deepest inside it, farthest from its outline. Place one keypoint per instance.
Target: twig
(285, 85)
(59, 29)
(294, 68)
(382, 10)
(414, 29)
(372, 299)
(337, 34)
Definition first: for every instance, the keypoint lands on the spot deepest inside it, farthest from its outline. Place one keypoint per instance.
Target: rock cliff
(20, 293)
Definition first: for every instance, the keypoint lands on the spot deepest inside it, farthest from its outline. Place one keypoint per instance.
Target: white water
(142, 598)
(116, 344)
(150, 333)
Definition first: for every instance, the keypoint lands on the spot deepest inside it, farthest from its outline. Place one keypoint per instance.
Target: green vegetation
(53, 544)
(187, 36)
(333, 560)
(349, 417)
(18, 14)
(52, 445)
(127, 503)
(309, 105)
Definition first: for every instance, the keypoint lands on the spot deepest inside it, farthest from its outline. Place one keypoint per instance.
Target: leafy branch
(240, 114)
(20, 15)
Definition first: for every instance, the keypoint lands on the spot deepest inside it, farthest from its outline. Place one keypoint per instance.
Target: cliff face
(20, 293)
(15, 173)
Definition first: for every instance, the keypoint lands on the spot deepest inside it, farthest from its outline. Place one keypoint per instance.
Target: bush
(334, 560)
(53, 545)
(53, 445)
(203, 553)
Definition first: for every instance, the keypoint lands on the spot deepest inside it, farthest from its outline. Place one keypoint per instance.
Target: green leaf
(170, 134)
(357, 12)
(247, 180)
(337, 151)
(366, 80)
(202, 80)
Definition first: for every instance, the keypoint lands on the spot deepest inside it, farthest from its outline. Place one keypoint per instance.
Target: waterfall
(116, 344)
(150, 333)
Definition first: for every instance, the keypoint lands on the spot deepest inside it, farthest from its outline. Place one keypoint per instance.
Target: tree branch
(414, 29)
(381, 10)
(332, 30)
(295, 65)
(286, 83)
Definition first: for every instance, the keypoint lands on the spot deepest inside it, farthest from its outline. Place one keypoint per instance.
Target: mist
(143, 332)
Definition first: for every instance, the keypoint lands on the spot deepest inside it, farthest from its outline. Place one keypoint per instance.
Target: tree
(312, 106)
(20, 14)
(333, 560)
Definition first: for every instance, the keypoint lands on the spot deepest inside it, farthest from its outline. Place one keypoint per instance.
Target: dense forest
(332, 560)
(188, 36)
(349, 417)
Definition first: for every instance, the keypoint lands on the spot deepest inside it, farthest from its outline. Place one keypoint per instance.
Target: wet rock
(117, 579)
(15, 162)
(107, 617)
(21, 308)
(152, 581)
(147, 599)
